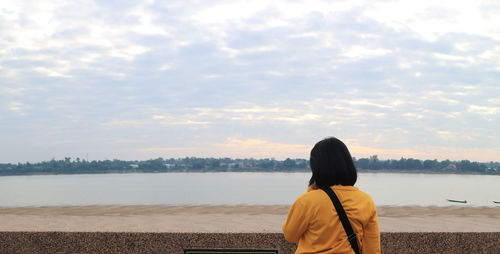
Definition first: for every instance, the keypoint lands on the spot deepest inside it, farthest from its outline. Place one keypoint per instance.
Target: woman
(313, 221)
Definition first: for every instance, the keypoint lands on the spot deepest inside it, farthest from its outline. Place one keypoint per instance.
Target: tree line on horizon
(194, 164)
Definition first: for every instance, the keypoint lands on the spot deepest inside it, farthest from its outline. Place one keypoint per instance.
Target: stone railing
(122, 242)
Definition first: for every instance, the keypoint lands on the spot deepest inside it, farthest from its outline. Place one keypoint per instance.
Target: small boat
(457, 201)
(496, 202)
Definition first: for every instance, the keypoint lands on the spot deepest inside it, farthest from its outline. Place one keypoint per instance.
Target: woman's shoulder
(353, 194)
(350, 189)
(314, 195)
(311, 196)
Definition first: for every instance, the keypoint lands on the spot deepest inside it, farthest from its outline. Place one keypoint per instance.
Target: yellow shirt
(313, 222)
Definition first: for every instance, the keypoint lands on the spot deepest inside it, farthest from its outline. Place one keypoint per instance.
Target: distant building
(134, 166)
(451, 167)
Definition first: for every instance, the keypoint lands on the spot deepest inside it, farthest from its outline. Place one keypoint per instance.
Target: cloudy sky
(144, 79)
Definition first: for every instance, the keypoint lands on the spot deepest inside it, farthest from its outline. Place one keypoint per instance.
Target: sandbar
(240, 218)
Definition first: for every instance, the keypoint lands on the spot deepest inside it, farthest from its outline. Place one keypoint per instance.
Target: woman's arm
(296, 223)
(371, 235)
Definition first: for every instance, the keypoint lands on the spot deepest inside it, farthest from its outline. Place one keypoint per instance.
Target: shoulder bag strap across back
(351, 236)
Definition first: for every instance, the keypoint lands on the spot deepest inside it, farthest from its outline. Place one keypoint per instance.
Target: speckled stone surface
(109, 242)
(100, 242)
(456, 242)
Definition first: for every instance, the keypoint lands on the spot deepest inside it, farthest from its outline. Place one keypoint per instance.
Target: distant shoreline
(195, 164)
(400, 171)
(423, 172)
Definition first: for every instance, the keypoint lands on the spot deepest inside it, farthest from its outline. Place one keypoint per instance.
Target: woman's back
(313, 222)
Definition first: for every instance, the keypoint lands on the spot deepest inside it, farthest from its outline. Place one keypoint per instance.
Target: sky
(136, 80)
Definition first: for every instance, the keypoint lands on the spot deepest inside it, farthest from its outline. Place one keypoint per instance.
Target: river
(228, 188)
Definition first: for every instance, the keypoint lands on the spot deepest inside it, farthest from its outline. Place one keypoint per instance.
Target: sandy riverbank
(231, 219)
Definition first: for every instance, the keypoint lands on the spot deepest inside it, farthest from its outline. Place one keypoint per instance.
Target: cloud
(430, 20)
(482, 110)
(360, 52)
(386, 75)
(426, 152)
(365, 152)
(166, 149)
(261, 148)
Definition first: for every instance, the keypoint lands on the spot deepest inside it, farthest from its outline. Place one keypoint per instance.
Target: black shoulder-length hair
(331, 164)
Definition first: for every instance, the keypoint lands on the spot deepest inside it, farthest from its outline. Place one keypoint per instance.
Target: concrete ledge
(110, 242)
(456, 242)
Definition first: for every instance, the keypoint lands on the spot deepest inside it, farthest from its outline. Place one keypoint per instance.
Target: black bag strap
(351, 236)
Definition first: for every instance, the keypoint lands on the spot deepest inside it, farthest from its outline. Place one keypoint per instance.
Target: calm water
(237, 188)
